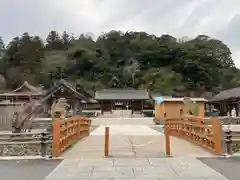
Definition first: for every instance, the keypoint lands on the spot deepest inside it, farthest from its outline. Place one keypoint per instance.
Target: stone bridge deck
(137, 151)
(133, 141)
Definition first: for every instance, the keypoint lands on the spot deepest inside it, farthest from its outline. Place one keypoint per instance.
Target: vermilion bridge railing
(68, 131)
(204, 132)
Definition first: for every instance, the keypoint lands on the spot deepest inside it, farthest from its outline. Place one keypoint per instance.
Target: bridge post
(106, 142)
(56, 137)
(217, 138)
(167, 142)
(167, 137)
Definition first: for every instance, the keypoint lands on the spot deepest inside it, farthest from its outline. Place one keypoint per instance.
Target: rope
(138, 145)
(143, 145)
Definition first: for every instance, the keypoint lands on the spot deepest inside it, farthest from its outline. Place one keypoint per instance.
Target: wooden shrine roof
(28, 87)
(121, 94)
(115, 83)
(25, 89)
(226, 94)
(62, 85)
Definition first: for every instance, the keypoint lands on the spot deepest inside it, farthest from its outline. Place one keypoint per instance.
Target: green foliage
(161, 64)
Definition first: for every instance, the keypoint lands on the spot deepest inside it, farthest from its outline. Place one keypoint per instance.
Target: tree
(132, 69)
(140, 60)
(2, 47)
(54, 41)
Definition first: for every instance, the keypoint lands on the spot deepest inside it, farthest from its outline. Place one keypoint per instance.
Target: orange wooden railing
(68, 131)
(204, 132)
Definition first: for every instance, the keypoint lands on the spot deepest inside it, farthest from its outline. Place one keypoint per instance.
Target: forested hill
(140, 60)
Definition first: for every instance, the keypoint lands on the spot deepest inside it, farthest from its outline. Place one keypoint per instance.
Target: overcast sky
(216, 18)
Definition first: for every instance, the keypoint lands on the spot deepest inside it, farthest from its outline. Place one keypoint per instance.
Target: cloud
(216, 18)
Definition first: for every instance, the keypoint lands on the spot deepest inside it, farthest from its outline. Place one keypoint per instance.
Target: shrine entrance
(122, 105)
(117, 97)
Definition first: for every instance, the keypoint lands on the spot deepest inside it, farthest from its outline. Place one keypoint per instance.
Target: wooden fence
(206, 133)
(67, 131)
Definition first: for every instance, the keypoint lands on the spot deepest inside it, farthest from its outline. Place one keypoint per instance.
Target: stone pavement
(229, 167)
(136, 152)
(132, 141)
(122, 121)
(31, 169)
(134, 168)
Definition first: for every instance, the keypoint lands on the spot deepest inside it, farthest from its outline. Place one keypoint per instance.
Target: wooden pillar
(77, 107)
(217, 135)
(101, 107)
(112, 106)
(56, 137)
(167, 138)
(106, 142)
(238, 109)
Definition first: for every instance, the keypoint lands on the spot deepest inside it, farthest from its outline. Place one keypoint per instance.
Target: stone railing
(207, 134)
(228, 120)
(25, 144)
(40, 123)
(68, 131)
(57, 136)
(232, 141)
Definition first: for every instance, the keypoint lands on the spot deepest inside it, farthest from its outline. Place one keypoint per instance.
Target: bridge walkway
(134, 141)
(137, 151)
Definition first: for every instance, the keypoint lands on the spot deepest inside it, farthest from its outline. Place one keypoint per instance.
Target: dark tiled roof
(121, 94)
(22, 94)
(227, 94)
(67, 87)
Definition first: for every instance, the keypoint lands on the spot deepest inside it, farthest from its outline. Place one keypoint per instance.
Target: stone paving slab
(132, 141)
(130, 168)
(229, 167)
(29, 169)
(142, 130)
(131, 162)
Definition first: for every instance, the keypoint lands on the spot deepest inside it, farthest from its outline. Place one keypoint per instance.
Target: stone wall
(26, 144)
(20, 149)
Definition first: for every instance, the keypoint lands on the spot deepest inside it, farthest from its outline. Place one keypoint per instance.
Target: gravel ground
(26, 169)
(229, 167)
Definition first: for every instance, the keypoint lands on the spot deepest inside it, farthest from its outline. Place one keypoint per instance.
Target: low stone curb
(28, 158)
(233, 155)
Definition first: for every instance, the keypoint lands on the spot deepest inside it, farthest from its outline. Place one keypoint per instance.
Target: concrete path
(134, 168)
(229, 167)
(132, 141)
(31, 169)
